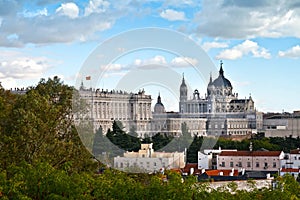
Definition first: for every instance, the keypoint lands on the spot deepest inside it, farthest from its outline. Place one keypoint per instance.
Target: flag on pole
(88, 78)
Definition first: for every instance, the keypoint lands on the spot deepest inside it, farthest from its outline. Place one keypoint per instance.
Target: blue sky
(257, 40)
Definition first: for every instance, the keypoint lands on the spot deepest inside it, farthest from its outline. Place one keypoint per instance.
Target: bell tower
(183, 90)
(183, 95)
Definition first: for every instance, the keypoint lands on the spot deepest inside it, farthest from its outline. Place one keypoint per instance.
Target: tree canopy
(38, 127)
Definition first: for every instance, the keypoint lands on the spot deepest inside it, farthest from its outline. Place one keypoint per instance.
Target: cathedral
(219, 98)
(221, 112)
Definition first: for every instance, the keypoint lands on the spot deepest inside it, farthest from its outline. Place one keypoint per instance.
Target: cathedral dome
(159, 107)
(221, 81)
(220, 86)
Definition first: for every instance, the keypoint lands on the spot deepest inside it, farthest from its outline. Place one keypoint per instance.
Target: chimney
(250, 147)
(191, 171)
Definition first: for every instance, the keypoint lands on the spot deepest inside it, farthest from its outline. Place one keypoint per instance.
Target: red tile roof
(289, 170)
(226, 172)
(295, 151)
(250, 153)
(188, 167)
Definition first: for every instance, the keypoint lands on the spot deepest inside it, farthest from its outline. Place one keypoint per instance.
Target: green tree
(121, 139)
(40, 128)
(192, 152)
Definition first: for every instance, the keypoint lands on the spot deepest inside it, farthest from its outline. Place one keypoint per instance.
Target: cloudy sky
(258, 42)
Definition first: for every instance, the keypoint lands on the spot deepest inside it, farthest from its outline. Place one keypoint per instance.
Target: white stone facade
(282, 125)
(148, 160)
(291, 160)
(208, 158)
(132, 109)
(251, 160)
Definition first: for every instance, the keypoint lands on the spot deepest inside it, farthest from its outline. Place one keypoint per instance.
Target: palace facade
(132, 109)
(221, 112)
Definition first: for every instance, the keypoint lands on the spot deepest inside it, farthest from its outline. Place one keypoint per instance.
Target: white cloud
(211, 45)
(183, 62)
(161, 60)
(248, 19)
(172, 15)
(42, 12)
(8, 83)
(180, 3)
(68, 9)
(18, 66)
(51, 29)
(150, 63)
(247, 47)
(293, 52)
(158, 59)
(96, 6)
(65, 25)
(112, 67)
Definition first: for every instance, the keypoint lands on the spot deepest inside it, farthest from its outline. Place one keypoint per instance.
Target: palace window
(223, 164)
(248, 164)
(240, 164)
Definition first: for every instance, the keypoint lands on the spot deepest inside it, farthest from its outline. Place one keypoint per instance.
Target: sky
(257, 41)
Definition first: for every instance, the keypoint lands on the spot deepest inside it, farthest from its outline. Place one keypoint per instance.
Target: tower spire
(221, 72)
(183, 90)
(210, 78)
(158, 98)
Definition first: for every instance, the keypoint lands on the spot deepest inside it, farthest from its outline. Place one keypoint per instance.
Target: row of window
(240, 125)
(126, 164)
(240, 164)
(237, 132)
(216, 126)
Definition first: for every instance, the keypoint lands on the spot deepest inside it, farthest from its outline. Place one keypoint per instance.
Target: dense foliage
(43, 181)
(42, 156)
(38, 127)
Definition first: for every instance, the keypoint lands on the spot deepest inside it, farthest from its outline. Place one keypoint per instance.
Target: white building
(251, 160)
(291, 163)
(292, 159)
(292, 171)
(132, 109)
(282, 124)
(146, 160)
(208, 158)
